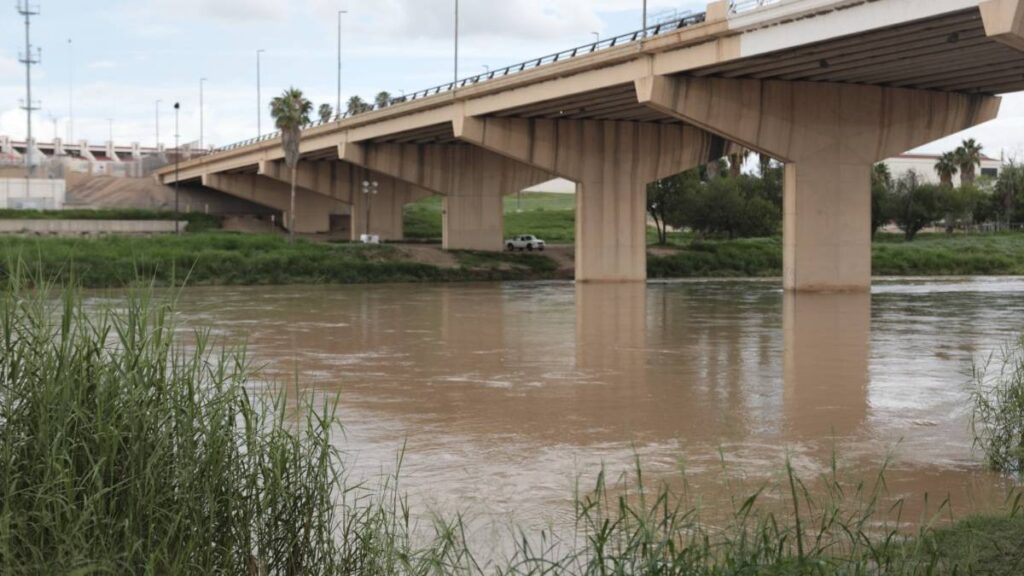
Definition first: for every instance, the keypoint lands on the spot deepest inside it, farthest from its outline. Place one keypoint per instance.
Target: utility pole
(259, 99)
(455, 80)
(28, 59)
(337, 111)
(644, 35)
(177, 159)
(158, 123)
(201, 113)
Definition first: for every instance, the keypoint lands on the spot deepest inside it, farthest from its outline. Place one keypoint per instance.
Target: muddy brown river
(505, 395)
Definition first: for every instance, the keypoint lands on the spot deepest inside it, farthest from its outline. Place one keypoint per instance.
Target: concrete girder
(612, 162)
(1004, 21)
(343, 182)
(829, 135)
(312, 211)
(473, 182)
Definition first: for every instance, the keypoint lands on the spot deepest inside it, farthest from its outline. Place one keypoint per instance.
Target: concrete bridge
(827, 86)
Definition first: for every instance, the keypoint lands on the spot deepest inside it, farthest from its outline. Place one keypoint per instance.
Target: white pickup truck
(527, 242)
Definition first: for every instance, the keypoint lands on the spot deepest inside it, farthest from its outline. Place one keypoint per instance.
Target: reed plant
(998, 408)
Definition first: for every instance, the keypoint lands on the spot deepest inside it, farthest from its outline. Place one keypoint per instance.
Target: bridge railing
(603, 44)
(738, 6)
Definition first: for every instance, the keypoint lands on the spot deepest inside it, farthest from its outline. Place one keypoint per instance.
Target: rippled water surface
(504, 395)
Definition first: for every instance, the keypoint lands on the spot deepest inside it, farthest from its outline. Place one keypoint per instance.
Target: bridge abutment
(829, 136)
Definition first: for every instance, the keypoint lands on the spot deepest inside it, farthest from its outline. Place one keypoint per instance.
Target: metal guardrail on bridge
(605, 44)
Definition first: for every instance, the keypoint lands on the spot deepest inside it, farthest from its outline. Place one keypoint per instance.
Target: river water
(505, 395)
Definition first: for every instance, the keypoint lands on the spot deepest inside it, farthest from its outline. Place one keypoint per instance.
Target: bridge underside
(823, 86)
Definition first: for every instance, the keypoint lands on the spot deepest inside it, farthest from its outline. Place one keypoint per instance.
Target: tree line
(719, 201)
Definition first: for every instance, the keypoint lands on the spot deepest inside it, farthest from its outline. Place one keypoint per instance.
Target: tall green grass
(129, 450)
(197, 221)
(998, 408)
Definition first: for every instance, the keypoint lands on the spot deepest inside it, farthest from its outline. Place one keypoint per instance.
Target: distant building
(924, 165)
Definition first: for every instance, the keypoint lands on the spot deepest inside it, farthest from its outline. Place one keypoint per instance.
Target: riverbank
(173, 459)
(220, 258)
(225, 259)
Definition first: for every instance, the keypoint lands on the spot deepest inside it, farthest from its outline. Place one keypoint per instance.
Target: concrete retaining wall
(88, 227)
(35, 194)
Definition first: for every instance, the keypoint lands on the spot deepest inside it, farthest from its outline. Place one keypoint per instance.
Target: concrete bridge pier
(472, 181)
(612, 163)
(343, 182)
(829, 135)
(312, 211)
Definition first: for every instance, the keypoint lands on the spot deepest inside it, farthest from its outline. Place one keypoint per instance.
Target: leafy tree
(383, 99)
(947, 167)
(291, 112)
(959, 204)
(968, 156)
(668, 201)
(325, 112)
(881, 193)
(915, 205)
(1009, 189)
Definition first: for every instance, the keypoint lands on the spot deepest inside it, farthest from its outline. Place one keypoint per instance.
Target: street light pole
(110, 130)
(337, 111)
(201, 112)
(645, 19)
(455, 79)
(158, 123)
(71, 92)
(259, 99)
(369, 190)
(177, 160)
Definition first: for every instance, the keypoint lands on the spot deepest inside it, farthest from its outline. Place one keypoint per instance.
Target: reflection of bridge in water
(827, 86)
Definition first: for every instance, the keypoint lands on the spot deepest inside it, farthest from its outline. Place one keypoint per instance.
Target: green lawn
(546, 215)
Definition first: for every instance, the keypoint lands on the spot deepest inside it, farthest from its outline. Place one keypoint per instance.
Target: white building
(924, 165)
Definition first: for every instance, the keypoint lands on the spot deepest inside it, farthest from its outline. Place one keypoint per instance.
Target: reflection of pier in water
(495, 387)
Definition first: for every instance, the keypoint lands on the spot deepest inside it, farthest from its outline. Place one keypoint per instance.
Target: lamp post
(370, 189)
(259, 99)
(645, 19)
(597, 37)
(110, 130)
(71, 91)
(337, 111)
(177, 160)
(201, 111)
(455, 78)
(158, 123)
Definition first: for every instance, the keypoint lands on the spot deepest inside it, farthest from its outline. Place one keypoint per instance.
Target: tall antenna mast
(28, 59)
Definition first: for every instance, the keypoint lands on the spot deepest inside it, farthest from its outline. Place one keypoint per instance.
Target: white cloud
(229, 10)
(102, 64)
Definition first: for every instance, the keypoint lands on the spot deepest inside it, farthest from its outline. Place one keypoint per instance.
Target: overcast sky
(125, 55)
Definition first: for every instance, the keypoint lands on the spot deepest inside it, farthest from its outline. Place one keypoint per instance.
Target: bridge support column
(344, 182)
(829, 135)
(312, 211)
(612, 163)
(473, 182)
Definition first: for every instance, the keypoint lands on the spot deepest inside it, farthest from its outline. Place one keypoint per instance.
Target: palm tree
(968, 156)
(291, 112)
(357, 105)
(946, 168)
(325, 112)
(383, 99)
